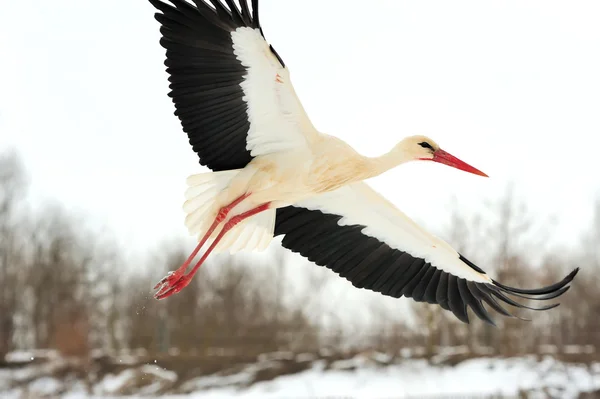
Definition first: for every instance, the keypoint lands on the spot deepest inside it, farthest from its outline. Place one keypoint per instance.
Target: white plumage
(253, 234)
(278, 122)
(275, 174)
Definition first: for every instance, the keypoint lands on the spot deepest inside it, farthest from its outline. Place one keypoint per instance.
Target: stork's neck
(396, 156)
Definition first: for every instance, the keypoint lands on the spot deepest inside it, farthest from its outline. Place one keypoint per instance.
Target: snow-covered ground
(414, 378)
(357, 377)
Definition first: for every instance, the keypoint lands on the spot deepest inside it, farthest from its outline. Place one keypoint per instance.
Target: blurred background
(92, 172)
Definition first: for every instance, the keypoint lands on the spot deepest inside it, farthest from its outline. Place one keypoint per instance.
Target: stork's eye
(425, 144)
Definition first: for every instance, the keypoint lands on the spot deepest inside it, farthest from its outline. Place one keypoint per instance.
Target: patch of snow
(114, 383)
(151, 388)
(382, 357)
(212, 381)
(25, 373)
(305, 357)
(77, 390)
(12, 394)
(416, 378)
(6, 376)
(406, 353)
(159, 372)
(412, 377)
(19, 356)
(27, 356)
(343, 364)
(45, 386)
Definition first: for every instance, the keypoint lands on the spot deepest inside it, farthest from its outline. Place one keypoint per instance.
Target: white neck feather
(395, 157)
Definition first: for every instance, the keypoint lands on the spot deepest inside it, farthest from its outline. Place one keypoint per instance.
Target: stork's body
(274, 173)
(287, 177)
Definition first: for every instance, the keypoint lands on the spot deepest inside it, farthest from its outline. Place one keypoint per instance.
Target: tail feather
(268, 231)
(201, 209)
(245, 233)
(254, 234)
(200, 197)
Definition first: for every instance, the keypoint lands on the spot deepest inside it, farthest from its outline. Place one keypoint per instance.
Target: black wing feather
(205, 75)
(371, 264)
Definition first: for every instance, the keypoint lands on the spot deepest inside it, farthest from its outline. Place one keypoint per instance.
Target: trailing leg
(173, 286)
(172, 277)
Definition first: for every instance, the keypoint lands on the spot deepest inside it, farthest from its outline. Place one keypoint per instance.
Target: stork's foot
(171, 284)
(169, 279)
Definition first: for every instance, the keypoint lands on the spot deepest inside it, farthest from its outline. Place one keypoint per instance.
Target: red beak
(442, 156)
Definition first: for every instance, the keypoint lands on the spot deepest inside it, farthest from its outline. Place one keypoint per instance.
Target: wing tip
(497, 290)
(550, 289)
(493, 293)
(226, 16)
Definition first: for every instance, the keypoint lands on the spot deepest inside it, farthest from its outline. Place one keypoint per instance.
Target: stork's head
(425, 149)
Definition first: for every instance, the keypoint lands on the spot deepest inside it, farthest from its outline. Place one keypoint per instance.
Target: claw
(170, 278)
(171, 288)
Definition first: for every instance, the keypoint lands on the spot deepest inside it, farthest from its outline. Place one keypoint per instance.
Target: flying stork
(274, 174)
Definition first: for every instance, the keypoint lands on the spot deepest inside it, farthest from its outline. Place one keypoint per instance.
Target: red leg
(172, 277)
(183, 281)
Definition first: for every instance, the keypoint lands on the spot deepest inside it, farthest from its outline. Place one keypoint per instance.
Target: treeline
(67, 288)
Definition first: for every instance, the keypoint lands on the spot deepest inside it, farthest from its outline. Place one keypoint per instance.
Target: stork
(273, 173)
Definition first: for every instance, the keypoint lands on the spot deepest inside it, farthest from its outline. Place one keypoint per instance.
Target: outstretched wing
(361, 236)
(231, 90)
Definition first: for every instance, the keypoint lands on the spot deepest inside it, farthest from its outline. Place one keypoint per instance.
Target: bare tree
(13, 187)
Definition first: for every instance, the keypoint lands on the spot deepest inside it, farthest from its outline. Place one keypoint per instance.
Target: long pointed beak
(442, 156)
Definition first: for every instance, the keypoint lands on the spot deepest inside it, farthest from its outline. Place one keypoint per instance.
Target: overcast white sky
(511, 87)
